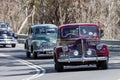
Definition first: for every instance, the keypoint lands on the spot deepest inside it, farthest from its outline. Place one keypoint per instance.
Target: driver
(66, 33)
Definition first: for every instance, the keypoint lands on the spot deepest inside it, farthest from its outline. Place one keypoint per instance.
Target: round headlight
(89, 52)
(99, 47)
(38, 44)
(76, 53)
(65, 48)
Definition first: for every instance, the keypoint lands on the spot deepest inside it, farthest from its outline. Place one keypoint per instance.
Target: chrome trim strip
(42, 50)
(82, 59)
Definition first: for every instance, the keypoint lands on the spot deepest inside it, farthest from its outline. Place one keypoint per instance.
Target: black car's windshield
(79, 30)
(3, 25)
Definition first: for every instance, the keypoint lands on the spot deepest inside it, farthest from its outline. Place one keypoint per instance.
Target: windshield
(3, 26)
(70, 31)
(73, 32)
(45, 31)
(88, 30)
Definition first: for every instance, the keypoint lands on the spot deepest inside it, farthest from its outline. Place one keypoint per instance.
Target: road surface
(15, 66)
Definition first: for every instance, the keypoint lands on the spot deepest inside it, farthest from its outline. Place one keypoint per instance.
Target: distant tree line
(21, 14)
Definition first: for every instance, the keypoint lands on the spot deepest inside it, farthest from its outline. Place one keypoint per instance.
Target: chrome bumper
(83, 59)
(8, 41)
(44, 50)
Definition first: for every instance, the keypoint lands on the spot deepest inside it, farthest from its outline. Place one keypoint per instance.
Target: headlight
(76, 53)
(38, 44)
(89, 52)
(99, 46)
(65, 48)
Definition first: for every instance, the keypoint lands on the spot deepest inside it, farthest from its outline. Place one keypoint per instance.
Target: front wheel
(35, 55)
(13, 45)
(102, 64)
(28, 54)
(59, 67)
(4, 45)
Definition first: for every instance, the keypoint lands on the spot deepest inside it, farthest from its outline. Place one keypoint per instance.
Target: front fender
(57, 51)
(104, 50)
(34, 42)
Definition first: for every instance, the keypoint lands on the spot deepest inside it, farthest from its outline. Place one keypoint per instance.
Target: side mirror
(101, 33)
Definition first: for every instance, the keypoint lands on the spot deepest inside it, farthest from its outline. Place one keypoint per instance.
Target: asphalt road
(15, 66)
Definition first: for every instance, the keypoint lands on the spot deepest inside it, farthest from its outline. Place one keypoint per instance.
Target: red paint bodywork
(86, 41)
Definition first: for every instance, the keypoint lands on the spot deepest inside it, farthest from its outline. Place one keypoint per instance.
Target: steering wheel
(69, 35)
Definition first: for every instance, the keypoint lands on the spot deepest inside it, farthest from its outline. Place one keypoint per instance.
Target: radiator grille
(83, 47)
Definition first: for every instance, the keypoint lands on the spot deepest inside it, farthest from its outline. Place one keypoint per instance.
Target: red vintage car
(80, 44)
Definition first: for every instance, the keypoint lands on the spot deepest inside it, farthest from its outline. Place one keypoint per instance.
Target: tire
(98, 65)
(58, 67)
(25, 46)
(4, 45)
(35, 55)
(28, 54)
(13, 45)
(102, 65)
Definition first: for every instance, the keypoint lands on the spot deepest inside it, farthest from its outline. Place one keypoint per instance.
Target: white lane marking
(39, 70)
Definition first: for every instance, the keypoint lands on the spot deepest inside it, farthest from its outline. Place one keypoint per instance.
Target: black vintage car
(8, 38)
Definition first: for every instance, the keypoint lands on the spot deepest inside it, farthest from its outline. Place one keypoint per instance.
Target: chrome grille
(83, 48)
(79, 48)
(48, 45)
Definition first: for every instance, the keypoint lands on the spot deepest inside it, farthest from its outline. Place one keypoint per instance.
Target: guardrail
(21, 38)
(112, 44)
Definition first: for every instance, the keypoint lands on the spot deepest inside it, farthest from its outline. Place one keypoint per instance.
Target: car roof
(90, 24)
(44, 25)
